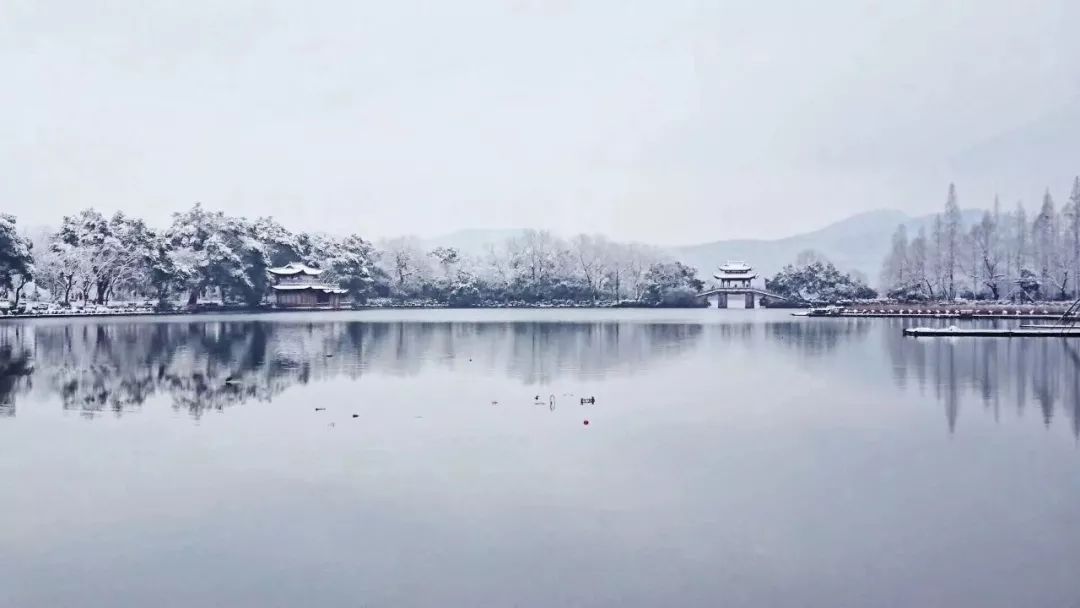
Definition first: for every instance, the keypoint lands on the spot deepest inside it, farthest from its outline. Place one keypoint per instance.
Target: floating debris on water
(320, 409)
(356, 415)
(588, 400)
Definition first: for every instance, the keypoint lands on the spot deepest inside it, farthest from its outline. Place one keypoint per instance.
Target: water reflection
(200, 366)
(15, 372)
(812, 338)
(994, 373)
(209, 366)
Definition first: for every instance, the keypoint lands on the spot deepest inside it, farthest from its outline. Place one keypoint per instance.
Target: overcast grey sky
(666, 121)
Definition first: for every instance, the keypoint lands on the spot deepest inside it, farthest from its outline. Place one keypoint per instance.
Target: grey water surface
(732, 458)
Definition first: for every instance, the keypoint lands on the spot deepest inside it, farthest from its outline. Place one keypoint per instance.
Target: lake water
(732, 458)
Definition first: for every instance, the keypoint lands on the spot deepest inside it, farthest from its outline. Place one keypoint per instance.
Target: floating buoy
(586, 423)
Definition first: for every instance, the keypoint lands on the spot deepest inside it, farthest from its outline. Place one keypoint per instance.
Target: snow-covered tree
(591, 254)
(952, 229)
(16, 261)
(210, 249)
(817, 282)
(404, 262)
(671, 284)
(1048, 266)
(448, 259)
(1070, 228)
(938, 257)
(1019, 245)
(922, 285)
(986, 252)
(896, 273)
(353, 266)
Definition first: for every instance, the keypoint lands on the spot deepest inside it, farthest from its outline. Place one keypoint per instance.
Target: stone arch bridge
(749, 295)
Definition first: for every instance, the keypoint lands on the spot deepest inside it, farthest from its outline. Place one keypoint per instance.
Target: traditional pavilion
(298, 286)
(735, 279)
(735, 275)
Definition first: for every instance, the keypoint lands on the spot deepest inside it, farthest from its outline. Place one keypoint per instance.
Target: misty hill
(858, 243)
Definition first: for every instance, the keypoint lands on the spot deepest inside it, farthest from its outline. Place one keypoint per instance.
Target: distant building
(298, 286)
(735, 275)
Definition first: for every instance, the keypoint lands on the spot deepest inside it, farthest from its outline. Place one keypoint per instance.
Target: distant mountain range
(858, 243)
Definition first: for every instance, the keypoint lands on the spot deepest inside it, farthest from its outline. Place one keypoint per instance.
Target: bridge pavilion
(736, 278)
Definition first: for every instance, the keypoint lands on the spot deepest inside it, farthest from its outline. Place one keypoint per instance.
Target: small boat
(825, 311)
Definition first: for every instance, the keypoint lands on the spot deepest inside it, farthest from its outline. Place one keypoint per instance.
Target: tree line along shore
(1004, 256)
(209, 260)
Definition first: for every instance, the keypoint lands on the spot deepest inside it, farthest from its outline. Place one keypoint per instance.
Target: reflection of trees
(201, 366)
(15, 371)
(1040, 371)
(817, 336)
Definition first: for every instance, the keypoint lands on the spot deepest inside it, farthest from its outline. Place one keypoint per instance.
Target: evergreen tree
(952, 228)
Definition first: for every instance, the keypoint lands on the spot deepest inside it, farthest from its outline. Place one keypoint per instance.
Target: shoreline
(951, 311)
(260, 310)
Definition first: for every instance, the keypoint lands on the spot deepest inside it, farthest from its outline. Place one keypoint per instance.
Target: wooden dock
(1024, 312)
(1030, 331)
(949, 315)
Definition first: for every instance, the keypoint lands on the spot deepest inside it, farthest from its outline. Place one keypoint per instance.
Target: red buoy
(586, 423)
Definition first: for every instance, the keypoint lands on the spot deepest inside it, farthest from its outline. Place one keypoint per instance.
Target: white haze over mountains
(667, 122)
(858, 243)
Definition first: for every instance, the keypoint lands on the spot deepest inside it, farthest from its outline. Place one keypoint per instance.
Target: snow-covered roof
(735, 267)
(322, 288)
(294, 268)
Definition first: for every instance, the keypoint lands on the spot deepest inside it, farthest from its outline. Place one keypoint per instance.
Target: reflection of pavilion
(736, 278)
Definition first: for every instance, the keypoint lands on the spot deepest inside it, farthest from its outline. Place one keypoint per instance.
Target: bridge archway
(751, 297)
(721, 300)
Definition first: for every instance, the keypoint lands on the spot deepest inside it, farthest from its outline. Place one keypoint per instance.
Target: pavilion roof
(322, 288)
(294, 268)
(735, 267)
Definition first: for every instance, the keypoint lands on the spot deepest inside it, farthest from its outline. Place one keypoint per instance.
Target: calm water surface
(732, 458)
